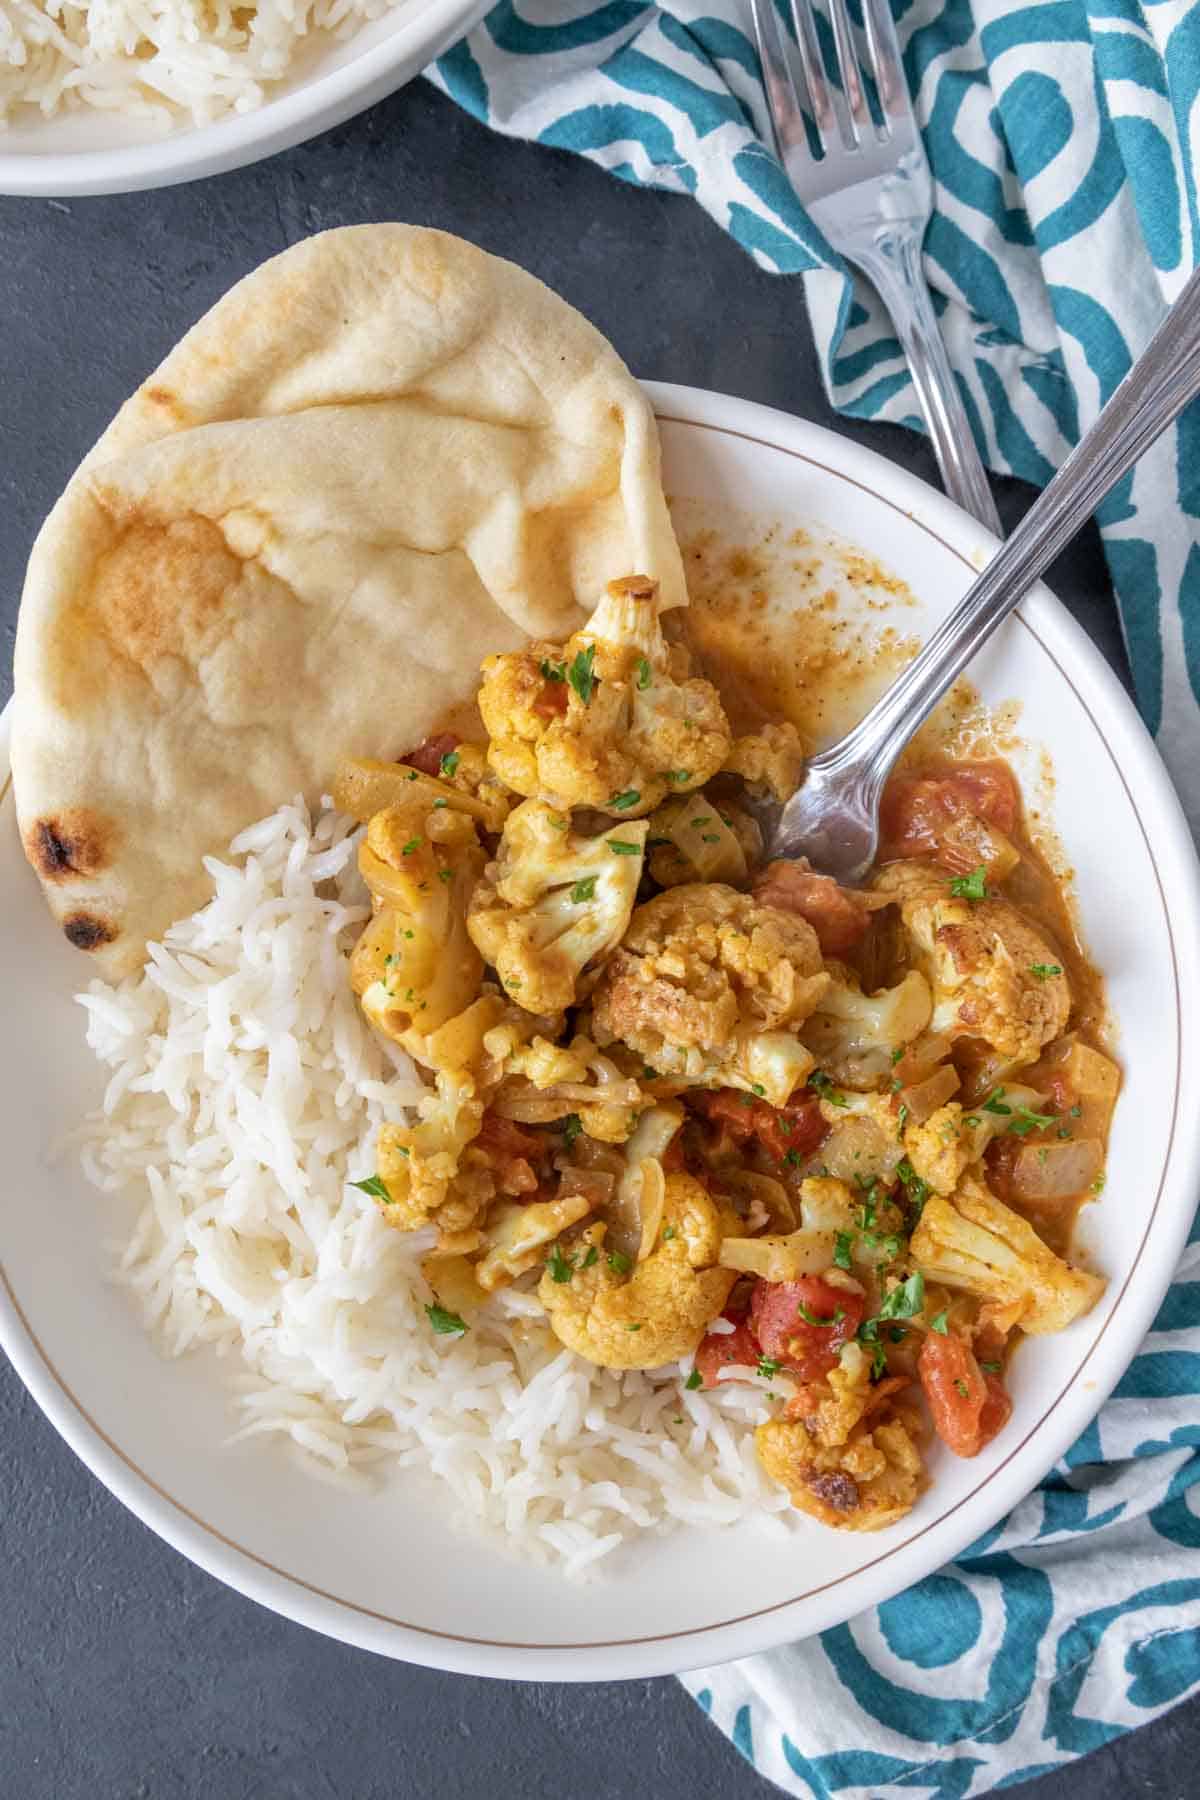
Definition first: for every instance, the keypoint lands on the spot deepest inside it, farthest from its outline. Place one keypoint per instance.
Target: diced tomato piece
(551, 703)
(797, 1126)
(718, 1349)
(968, 1407)
(916, 809)
(428, 756)
(838, 915)
(791, 1339)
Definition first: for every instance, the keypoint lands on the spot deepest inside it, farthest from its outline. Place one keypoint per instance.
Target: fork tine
(857, 110)
(887, 69)
(811, 62)
(783, 102)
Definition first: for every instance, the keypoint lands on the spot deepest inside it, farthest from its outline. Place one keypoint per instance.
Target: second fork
(870, 192)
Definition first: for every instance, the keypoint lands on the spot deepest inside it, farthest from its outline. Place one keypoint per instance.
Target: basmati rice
(164, 62)
(244, 1095)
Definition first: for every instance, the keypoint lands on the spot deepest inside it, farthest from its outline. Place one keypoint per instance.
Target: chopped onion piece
(1056, 1171)
(779, 1258)
(926, 1096)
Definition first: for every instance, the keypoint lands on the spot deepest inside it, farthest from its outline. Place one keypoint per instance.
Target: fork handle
(893, 264)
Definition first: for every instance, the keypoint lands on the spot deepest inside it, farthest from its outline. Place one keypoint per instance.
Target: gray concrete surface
(126, 1674)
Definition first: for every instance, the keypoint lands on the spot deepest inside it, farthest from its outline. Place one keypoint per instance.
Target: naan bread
(381, 456)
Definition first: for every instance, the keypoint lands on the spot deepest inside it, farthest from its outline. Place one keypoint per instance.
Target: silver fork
(871, 194)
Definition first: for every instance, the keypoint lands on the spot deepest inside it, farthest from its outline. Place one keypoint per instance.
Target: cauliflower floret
(771, 758)
(553, 904)
(708, 988)
(658, 1312)
(943, 1148)
(988, 965)
(415, 967)
(545, 1081)
(852, 1457)
(601, 721)
(979, 1244)
(854, 1036)
(418, 1164)
(830, 1206)
(693, 839)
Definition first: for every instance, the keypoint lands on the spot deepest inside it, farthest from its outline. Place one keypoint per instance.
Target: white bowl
(385, 1571)
(91, 152)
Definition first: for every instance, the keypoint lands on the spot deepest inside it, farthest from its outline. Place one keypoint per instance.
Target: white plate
(384, 1571)
(92, 152)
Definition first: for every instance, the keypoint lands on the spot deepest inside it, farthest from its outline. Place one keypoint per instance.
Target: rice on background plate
(245, 1093)
(167, 62)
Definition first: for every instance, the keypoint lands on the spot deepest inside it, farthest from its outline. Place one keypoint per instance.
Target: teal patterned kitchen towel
(1062, 137)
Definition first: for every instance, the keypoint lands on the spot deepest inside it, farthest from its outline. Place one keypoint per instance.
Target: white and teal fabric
(1063, 137)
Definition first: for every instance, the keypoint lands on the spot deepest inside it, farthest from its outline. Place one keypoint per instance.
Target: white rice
(244, 1095)
(165, 62)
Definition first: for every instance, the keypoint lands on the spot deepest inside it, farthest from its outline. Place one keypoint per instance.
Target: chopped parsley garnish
(870, 1202)
(822, 1084)
(916, 1190)
(583, 890)
(704, 819)
(841, 1249)
(645, 673)
(668, 1233)
(622, 847)
(901, 1121)
(560, 1266)
(1044, 971)
(1025, 1120)
(449, 764)
(905, 1301)
(710, 837)
(412, 844)
(897, 1334)
(1075, 1111)
(794, 1157)
(649, 1074)
(591, 1255)
(938, 1324)
(446, 1324)
(633, 1328)
(623, 801)
(572, 1126)
(445, 874)
(960, 1387)
(811, 1318)
(995, 1104)
(990, 1368)
(767, 1368)
(694, 1380)
(868, 1334)
(972, 886)
(756, 1087)
(971, 1120)
(1098, 1184)
(581, 675)
(375, 1188)
(618, 1262)
(679, 776)
(897, 1054)
(553, 671)
(413, 776)
(440, 802)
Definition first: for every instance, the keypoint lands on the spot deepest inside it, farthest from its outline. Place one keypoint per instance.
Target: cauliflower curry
(721, 1114)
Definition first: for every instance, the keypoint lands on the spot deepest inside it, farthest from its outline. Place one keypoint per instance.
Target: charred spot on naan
(88, 931)
(73, 844)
